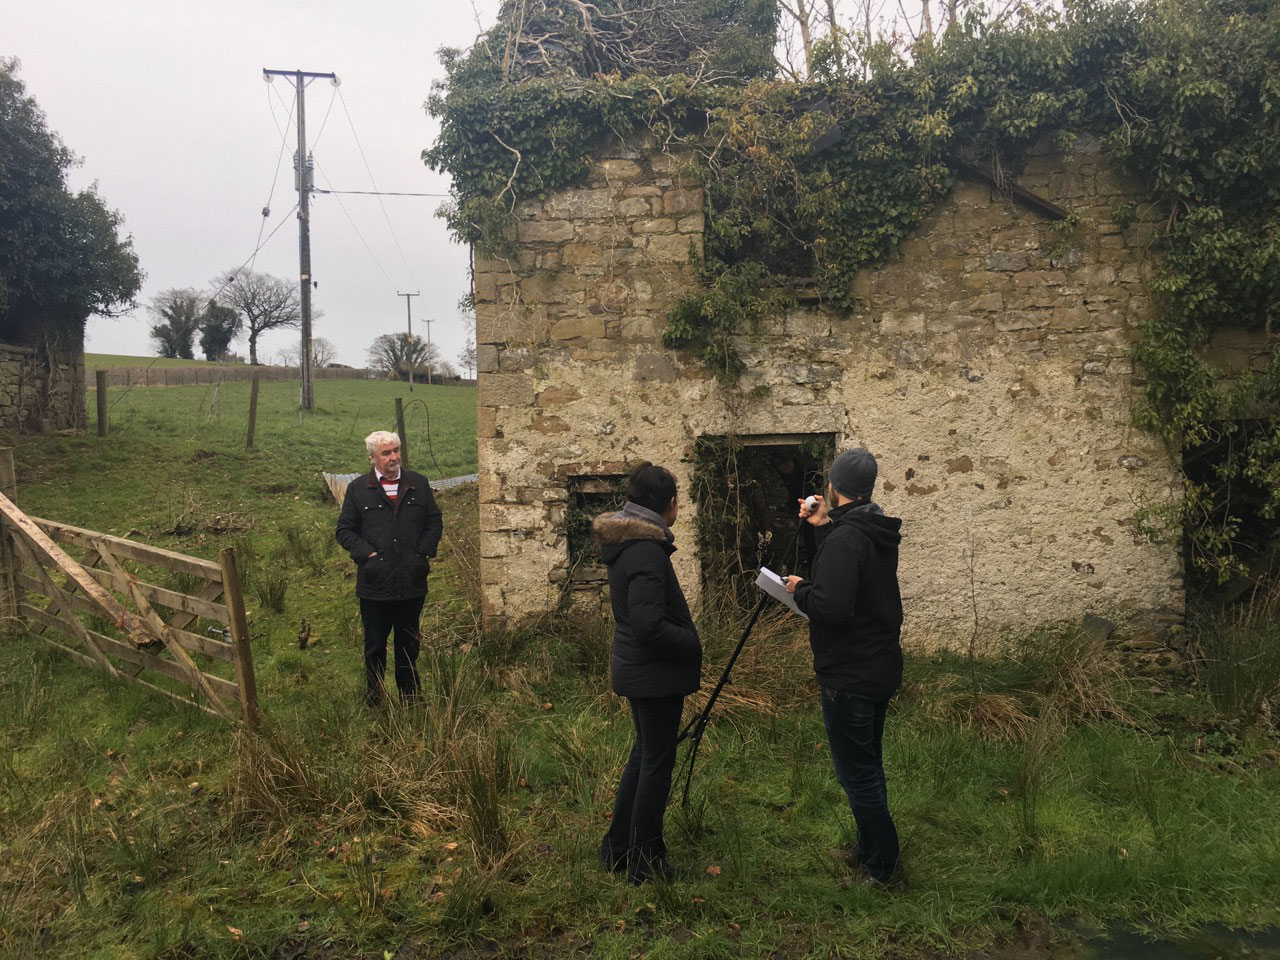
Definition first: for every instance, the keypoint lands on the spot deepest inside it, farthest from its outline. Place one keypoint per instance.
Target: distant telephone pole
(302, 164)
(429, 322)
(408, 309)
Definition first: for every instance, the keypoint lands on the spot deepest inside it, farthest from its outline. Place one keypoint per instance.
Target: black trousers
(855, 730)
(379, 617)
(634, 839)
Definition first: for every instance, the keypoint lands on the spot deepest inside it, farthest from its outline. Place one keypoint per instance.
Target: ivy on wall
(818, 180)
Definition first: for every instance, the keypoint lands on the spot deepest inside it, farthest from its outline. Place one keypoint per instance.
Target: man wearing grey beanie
(855, 621)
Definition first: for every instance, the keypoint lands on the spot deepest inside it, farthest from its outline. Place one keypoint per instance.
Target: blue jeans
(855, 730)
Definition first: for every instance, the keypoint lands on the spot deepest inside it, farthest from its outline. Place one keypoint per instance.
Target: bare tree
(801, 19)
(266, 303)
(323, 352)
(467, 357)
(835, 35)
(177, 315)
(286, 356)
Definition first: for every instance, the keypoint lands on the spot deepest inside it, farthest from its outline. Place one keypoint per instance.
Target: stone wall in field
(40, 391)
(988, 367)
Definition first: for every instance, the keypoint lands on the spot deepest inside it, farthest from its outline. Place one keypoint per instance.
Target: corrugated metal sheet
(337, 482)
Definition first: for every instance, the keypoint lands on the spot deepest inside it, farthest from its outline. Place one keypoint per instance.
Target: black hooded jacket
(853, 603)
(656, 651)
(405, 534)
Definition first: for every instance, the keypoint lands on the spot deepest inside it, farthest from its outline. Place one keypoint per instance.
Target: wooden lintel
(1012, 190)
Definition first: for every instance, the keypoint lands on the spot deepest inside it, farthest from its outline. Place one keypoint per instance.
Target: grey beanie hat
(853, 474)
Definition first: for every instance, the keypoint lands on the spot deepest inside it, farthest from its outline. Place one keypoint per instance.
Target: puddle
(1207, 943)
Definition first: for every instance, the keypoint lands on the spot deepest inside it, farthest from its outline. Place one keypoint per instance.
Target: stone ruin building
(42, 389)
(987, 366)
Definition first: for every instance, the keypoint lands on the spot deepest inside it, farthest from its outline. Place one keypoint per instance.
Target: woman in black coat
(656, 663)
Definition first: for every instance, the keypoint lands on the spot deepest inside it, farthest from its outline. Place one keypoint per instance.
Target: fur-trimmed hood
(614, 531)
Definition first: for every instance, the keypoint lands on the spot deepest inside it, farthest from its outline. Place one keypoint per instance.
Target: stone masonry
(988, 368)
(40, 394)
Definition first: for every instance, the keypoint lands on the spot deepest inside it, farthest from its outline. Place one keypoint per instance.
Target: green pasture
(1036, 789)
(112, 361)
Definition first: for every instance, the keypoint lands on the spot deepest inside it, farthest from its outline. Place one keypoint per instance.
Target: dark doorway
(1221, 463)
(745, 490)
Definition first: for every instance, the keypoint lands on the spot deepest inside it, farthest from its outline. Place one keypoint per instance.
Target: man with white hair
(391, 526)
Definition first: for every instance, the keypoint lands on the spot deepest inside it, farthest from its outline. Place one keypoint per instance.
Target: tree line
(244, 302)
(248, 303)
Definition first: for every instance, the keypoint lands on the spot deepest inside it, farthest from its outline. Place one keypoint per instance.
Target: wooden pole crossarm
(156, 622)
(111, 608)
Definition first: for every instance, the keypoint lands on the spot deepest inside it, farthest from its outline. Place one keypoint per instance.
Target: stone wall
(40, 393)
(987, 367)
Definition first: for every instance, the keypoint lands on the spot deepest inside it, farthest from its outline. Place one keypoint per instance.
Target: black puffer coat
(853, 603)
(656, 651)
(405, 534)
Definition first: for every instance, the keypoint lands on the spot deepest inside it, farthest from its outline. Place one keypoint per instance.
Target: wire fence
(192, 376)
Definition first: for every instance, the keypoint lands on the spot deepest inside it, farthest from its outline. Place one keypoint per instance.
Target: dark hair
(651, 486)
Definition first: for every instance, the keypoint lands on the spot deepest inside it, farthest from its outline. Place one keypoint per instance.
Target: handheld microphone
(811, 504)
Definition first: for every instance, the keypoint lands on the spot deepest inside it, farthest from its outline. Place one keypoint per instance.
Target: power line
(387, 193)
(300, 79)
(343, 207)
(284, 136)
(333, 96)
(368, 170)
(226, 283)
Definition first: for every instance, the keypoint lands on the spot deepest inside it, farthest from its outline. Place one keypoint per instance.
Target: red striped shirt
(390, 487)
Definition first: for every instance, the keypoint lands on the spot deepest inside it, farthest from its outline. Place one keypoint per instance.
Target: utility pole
(429, 322)
(302, 164)
(409, 343)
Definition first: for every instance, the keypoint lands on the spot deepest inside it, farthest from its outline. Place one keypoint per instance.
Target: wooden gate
(188, 641)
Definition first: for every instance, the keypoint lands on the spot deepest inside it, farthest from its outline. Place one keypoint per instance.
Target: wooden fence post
(234, 597)
(9, 588)
(404, 437)
(100, 381)
(253, 410)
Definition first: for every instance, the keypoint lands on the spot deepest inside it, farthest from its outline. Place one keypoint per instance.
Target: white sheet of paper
(776, 587)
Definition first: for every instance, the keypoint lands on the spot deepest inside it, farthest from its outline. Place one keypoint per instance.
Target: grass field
(1041, 785)
(111, 361)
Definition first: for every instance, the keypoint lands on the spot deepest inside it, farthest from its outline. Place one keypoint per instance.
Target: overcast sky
(165, 103)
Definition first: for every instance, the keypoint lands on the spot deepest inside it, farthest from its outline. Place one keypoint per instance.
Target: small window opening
(589, 497)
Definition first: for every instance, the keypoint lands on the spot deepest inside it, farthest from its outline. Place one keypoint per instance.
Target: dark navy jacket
(405, 534)
(656, 650)
(853, 603)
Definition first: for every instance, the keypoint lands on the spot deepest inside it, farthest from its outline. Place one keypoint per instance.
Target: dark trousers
(379, 617)
(634, 839)
(855, 730)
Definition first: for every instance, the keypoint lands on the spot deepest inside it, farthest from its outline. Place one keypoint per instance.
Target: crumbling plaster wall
(987, 367)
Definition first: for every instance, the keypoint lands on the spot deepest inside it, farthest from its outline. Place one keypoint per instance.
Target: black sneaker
(659, 869)
(610, 862)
